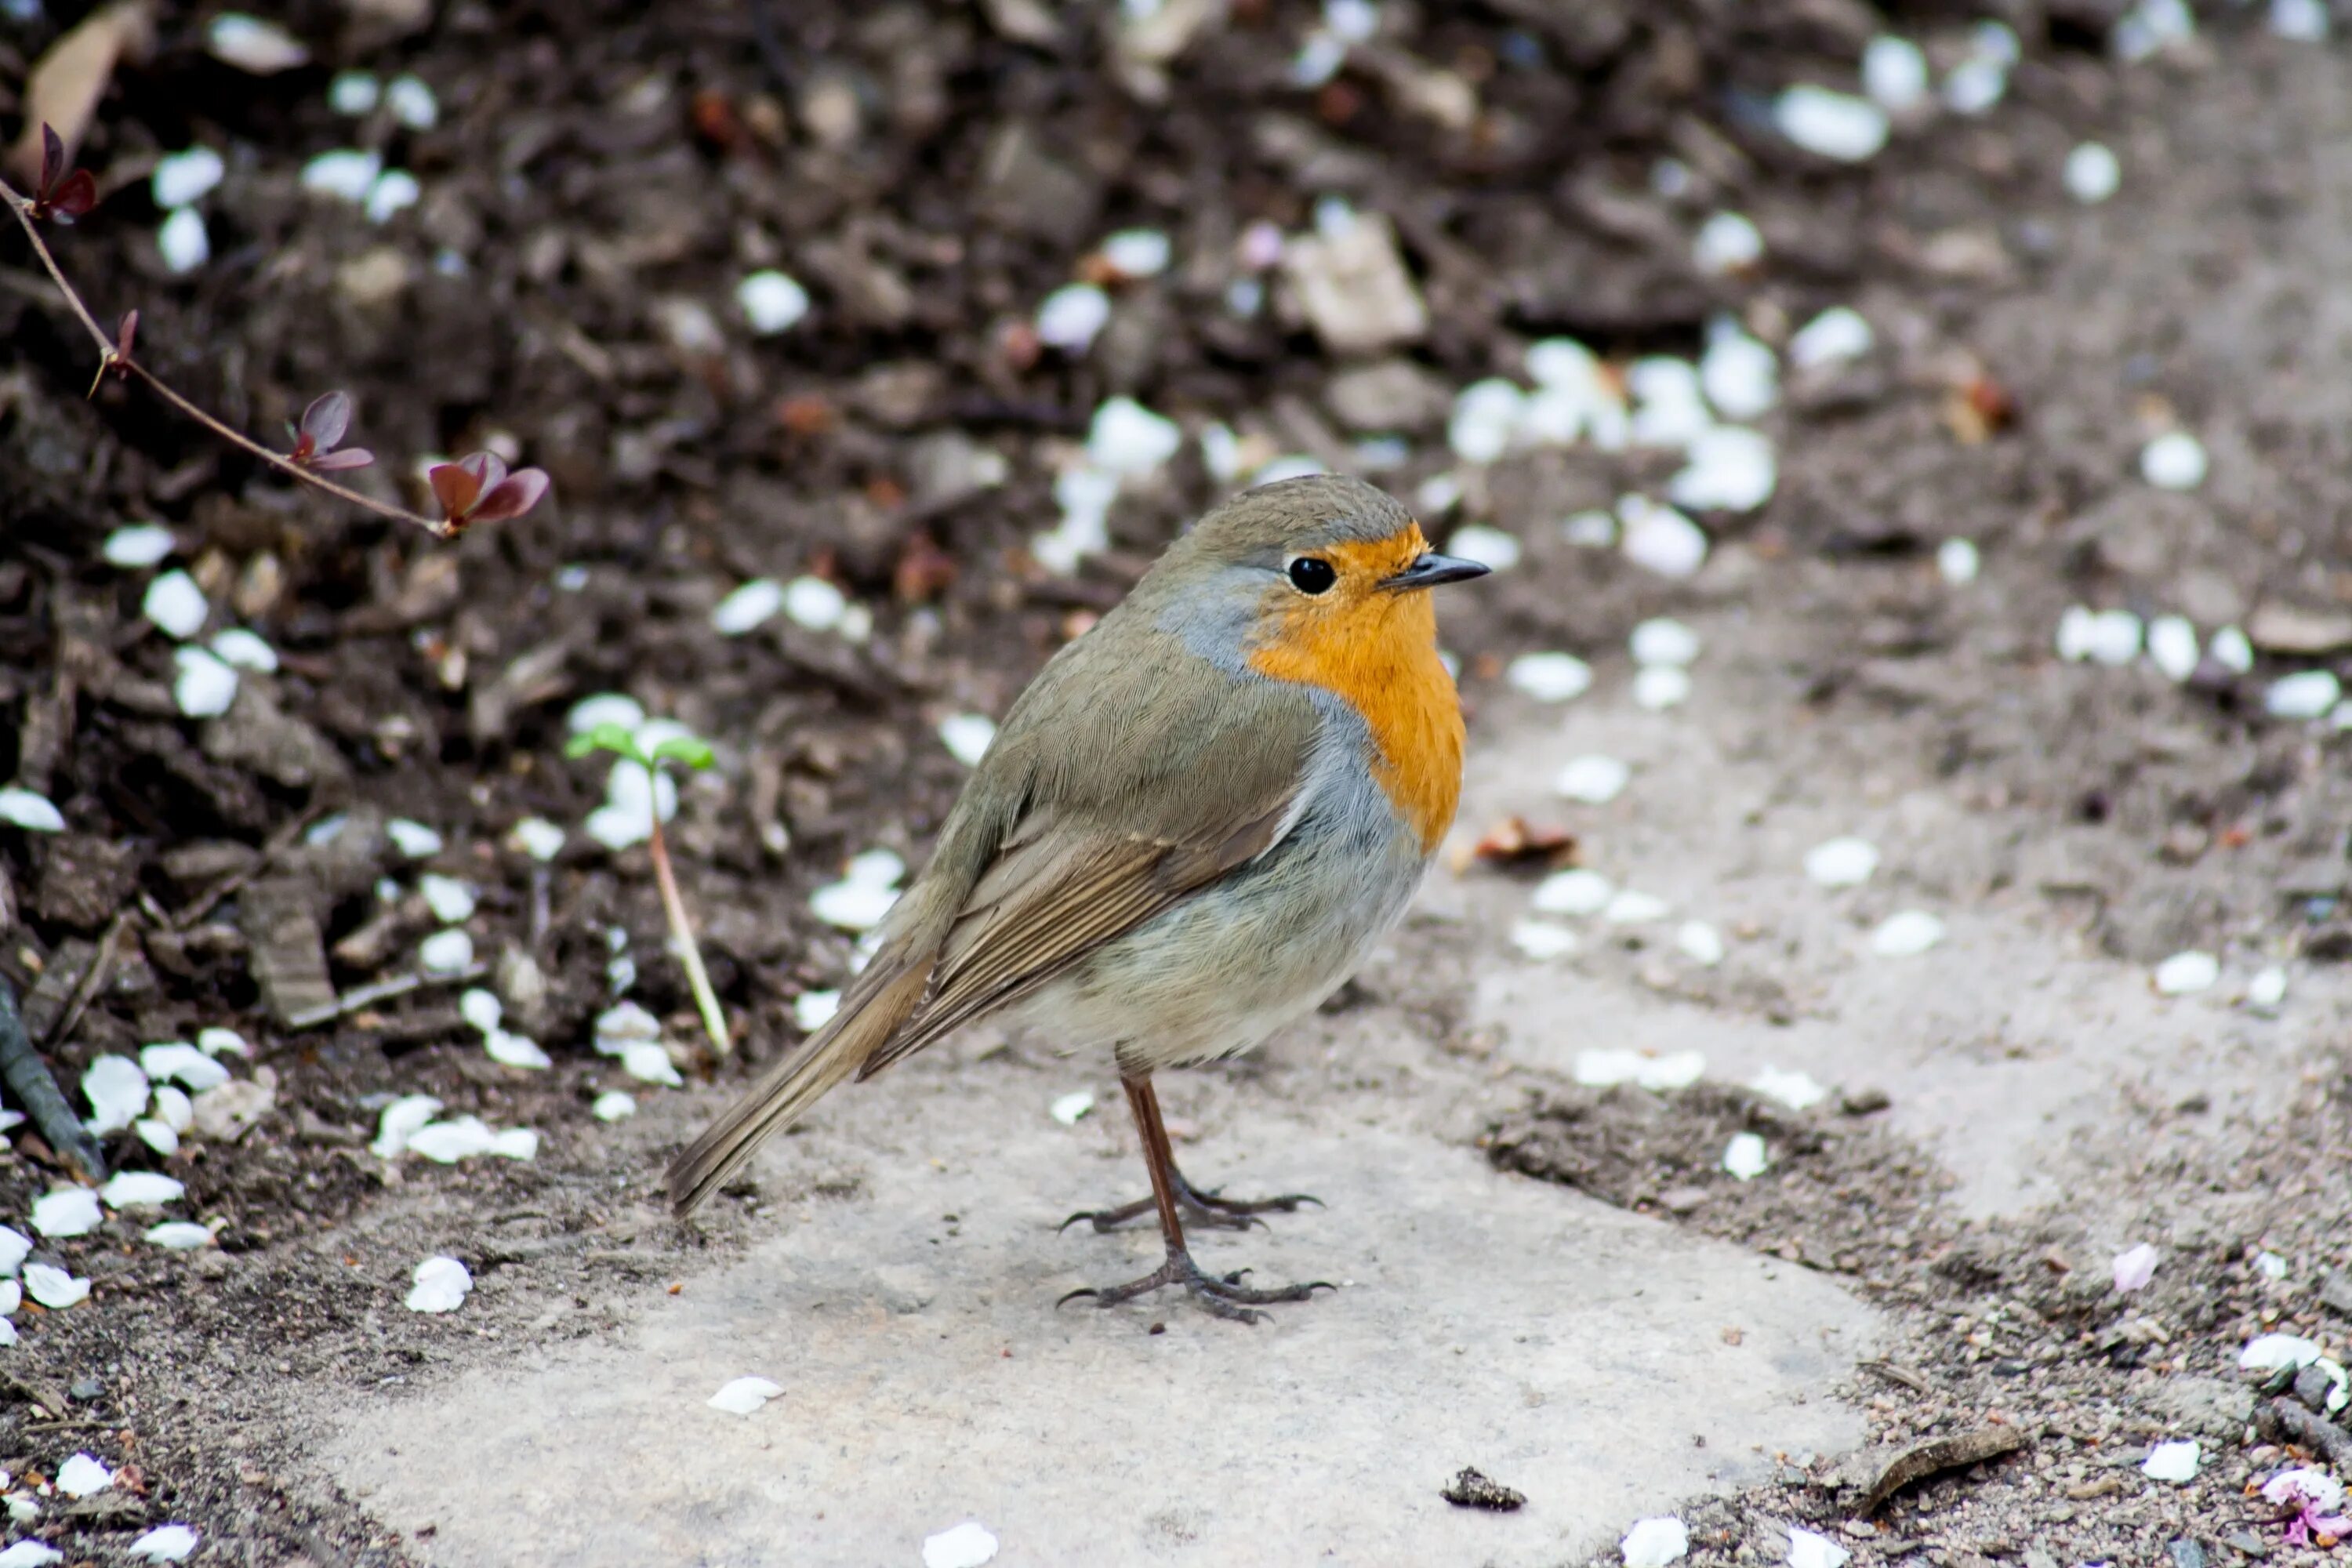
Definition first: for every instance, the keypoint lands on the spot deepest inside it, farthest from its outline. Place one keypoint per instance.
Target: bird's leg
(1223, 1295)
(1206, 1210)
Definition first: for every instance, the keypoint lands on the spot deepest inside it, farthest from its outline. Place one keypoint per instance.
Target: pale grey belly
(1220, 972)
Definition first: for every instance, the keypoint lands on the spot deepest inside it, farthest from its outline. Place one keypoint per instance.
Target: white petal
(117, 1091)
(15, 1244)
(447, 1142)
(160, 1136)
(967, 737)
(393, 193)
(1592, 779)
(605, 708)
(1797, 1090)
(34, 813)
(814, 603)
(1808, 1548)
(853, 906)
(812, 1010)
(2267, 990)
(1700, 943)
(1740, 375)
(2134, 1268)
(1575, 893)
(1658, 687)
(250, 44)
(968, 1545)
(1837, 335)
(205, 685)
(1549, 676)
(1490, 547)
(67, 1211)
(398, 1120)
(649, 1061)
(165, 1544)
(1654, 1542)
(748, 607)
(2184, 973)
(1126, 437)
(1905, 934)
(1746, 1157)
(536, 837)
(2278, 1353)
(84, 1475)
(412, 839)
(1066, 1109)
(440, 1286)
(1728, 242)
(180, 1062)
(2092, 174)
(353, 93)
(54, 1288)
(1630, 908)
(451, 899)
(2172, 647)
(1732, 468)
(30, 1554)
(1138, 252)
(2306, 694)
(412, 102)
(1958, 562)
(179, 1235)
(2175, 1462)
(743, 1395)
(771, 301)
(1676, 1070)
(445, 952)
(138, 544)
(142, 1189)
(1834, 124)
(613, 1105)
(2173, 461)
(1660, 539)
(1485, 415)
(481, 1008)
(346, 173)
(1543, 939)
(515, 1050)
(1663, 640)
(1846, 862)
(218, 1041)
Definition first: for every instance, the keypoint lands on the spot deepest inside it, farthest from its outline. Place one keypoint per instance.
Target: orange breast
(1376, 651)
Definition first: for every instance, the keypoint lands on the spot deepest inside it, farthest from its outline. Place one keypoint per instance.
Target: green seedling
(687, 752)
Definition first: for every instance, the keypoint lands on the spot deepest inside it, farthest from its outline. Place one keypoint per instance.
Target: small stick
(28, 1074)
(112, 357)
(706, 1000)
(351, 1001)
(101, 964)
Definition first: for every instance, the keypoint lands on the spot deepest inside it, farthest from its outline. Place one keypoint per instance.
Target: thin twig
(112, 357)
(28, 1074)
(351, 1002)
(698, 979)
(101, 964)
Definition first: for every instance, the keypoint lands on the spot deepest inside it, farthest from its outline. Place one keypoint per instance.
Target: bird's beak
(1433, 569)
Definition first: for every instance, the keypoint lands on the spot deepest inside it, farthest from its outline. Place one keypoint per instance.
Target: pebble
(967, 1545)
(2173, 461)
(180, 178)
(176, 605)
(346, 171)
(2306, 694)
(1543, 939)
(1663, 640)
(439, 1285)
(1654, 1542)
(412, 102)
(1490, 547)
(1745, 1158)
(1906, 934)
(31, 811)
(1728, 242)
(1833, 337)
(2172, 647)
(1576, 892)
(1486, 413)
(2092, 174)
(1739, 375)
(1895, 73)
(204, 686)
(1660, 539)
(1125, 438)
(2185, 974)
(1072, 316)
(252, 44)
(771, 301)
(1658, 687)
(1836, 125)
(1732, 468)
(138, 544)
(967, 737)
(1592, 780)
(742, 1395)
(1700, 943)
(2175, 1462)
(1549, 676)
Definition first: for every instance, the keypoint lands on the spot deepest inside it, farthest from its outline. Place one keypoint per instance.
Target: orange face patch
(1376, 650)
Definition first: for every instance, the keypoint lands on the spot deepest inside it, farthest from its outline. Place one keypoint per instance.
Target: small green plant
(687, 752)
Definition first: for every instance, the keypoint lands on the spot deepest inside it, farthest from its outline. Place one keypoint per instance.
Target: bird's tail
(787, 1091)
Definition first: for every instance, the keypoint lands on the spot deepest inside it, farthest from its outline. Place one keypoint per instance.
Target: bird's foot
(1220, 1295)
(1206, 1210)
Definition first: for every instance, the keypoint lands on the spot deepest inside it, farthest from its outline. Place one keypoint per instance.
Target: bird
(1190, 828)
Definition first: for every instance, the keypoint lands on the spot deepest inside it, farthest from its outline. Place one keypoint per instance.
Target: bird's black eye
(1312, 574)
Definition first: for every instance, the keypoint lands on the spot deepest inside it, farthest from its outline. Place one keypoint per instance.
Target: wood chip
(1938, 1455)
(289, 953)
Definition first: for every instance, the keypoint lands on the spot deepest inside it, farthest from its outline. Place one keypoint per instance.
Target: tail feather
(788, 1089)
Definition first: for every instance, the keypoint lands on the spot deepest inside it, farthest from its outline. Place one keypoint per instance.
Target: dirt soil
(598, 182)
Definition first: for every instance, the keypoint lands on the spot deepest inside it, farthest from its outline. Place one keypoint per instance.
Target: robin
(1190, 830)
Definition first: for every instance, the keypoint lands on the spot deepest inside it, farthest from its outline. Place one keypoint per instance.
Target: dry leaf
(65, 87)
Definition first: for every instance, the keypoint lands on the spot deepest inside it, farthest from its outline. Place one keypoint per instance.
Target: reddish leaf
(510, 497)
(335, 462)
(124, 333)
(455, 488)
(76, 196)
(325, 421)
